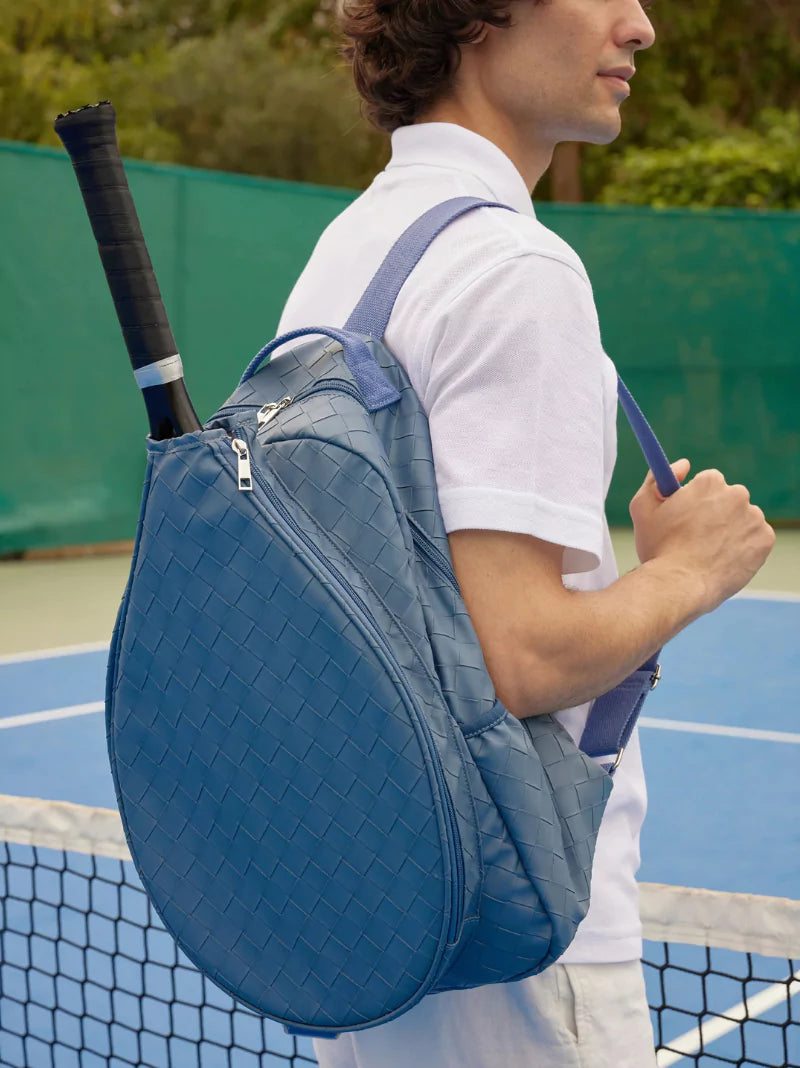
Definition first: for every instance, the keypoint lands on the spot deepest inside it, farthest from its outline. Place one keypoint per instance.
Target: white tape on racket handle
(158, 374)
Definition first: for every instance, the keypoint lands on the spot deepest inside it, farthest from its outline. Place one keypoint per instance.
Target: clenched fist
(707, 528)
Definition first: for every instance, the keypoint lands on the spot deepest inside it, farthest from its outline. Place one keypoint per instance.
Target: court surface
(720, 738)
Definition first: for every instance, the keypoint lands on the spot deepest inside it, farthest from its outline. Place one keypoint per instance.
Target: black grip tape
(89, 136)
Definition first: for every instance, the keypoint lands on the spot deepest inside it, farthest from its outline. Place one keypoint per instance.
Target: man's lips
(624, 73)
(619, 77)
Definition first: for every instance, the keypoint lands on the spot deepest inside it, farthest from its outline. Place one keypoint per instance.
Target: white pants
(570, 1016)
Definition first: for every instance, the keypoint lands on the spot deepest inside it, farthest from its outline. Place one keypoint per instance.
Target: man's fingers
(680, 468)
(649, 490)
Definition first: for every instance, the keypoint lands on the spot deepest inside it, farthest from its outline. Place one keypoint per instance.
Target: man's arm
(549, 648)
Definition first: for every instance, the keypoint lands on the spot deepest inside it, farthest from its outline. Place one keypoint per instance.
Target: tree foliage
(715, 78)
(253, 86)
(257, 86)
(756, 168)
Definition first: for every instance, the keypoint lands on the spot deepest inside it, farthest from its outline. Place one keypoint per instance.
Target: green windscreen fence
(700, 312)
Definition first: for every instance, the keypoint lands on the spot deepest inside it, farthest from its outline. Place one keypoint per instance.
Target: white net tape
(750, 923)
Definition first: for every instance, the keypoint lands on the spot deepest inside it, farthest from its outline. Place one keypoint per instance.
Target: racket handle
(89, 136)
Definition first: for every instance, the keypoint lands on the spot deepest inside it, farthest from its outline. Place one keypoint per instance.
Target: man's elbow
(529, 685)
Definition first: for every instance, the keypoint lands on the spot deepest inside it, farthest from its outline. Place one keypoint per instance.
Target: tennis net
(89, 977)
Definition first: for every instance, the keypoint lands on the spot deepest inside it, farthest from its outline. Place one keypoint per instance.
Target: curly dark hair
(405, 53)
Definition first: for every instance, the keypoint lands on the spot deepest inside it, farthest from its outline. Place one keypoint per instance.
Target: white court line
(710, 1030)
(645, 721)
(714, 728)
(47, 654)
(53, 713)
(765, 595)
(97, 647)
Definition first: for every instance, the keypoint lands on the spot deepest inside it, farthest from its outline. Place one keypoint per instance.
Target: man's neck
(531, 160)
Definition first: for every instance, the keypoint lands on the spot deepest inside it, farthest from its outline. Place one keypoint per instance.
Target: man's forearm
(596, 639)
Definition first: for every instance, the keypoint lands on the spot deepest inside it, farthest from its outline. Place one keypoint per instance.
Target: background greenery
(257, 87)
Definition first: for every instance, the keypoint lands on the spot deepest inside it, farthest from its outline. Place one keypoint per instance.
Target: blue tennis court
(720, 739)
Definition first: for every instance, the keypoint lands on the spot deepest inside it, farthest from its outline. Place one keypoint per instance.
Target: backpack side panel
(539, 799)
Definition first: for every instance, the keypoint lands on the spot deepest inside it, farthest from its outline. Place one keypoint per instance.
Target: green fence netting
(700, 312)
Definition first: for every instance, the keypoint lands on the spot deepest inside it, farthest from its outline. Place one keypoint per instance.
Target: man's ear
(482, 34)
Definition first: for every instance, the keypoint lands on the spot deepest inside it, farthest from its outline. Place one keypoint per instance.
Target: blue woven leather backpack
(329, 808)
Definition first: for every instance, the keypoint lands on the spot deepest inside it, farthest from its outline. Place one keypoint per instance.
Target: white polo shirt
(498, 333)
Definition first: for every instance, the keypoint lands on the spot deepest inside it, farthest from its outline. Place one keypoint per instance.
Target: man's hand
(707, 528)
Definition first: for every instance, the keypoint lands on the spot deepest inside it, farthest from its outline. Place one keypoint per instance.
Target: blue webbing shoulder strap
(612, 716)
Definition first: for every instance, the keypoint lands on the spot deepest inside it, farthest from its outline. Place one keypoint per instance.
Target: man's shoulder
(479, 237)
(510, 255)
(492, 255)
(514, 235)
(515, 247)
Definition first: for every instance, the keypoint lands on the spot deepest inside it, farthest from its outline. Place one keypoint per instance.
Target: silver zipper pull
(243, 454)
(269, 411)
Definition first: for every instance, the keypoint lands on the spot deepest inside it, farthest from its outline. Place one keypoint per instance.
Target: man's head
(405, 53)
(526, 73)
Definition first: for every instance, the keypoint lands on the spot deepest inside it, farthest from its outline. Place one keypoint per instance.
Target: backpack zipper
(268, 411)
(432, 555)
(244, 473)
(233, 408)
(453, 837)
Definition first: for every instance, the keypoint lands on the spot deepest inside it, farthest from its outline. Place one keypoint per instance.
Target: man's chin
(601, 132)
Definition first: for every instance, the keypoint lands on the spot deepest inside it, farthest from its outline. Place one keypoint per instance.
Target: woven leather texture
(330, 809)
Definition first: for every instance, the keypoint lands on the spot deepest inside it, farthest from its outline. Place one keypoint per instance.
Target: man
(498, 333)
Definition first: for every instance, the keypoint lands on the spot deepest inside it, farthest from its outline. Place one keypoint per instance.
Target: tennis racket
(89, 136)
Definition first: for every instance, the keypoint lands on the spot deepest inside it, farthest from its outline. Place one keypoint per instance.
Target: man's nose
(635, 30)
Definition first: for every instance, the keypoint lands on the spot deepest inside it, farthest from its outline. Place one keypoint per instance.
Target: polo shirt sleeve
(514, 396)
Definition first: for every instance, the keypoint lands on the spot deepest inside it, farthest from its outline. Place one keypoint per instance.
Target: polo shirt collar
(447, 146)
